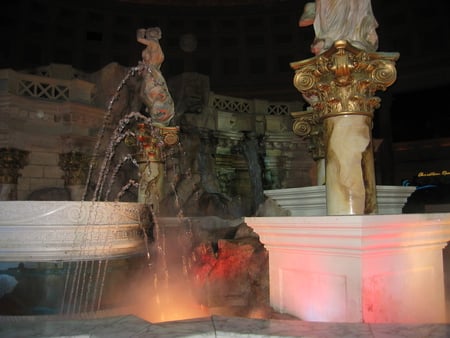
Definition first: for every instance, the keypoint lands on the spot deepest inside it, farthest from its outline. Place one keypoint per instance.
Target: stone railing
(253, 106)
(43, 87)
(59, 71)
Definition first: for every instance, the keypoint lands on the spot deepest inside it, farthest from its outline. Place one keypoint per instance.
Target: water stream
(85, 280)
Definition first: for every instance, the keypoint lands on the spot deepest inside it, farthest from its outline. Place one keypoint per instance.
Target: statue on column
(154, 91)
(160, 106)
(340, 84)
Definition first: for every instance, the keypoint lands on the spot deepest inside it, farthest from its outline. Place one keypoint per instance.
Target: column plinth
(359, 268)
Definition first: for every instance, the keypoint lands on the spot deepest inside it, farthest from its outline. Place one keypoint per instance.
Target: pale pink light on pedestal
(373, 269)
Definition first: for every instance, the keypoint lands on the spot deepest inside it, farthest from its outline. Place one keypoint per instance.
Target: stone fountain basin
(39, 231)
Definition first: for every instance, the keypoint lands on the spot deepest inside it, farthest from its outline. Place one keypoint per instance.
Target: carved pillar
(76, 167)
(340, 85)
(242, 184)
(226, 173)
(226, 157)
(284, 166)
(11, 161)
(277, 160)
(153, 141)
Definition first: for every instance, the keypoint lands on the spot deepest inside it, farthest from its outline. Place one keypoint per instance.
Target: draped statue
(333, 20)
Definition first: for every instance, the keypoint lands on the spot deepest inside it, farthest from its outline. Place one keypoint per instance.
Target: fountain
(348, 266)
(85, 250)
(77, 248)
(68, 253)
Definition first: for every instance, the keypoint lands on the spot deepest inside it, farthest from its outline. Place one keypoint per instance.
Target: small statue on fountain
(155, 95)
(154, 91)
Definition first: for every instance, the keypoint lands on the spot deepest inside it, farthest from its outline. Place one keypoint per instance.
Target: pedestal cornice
(354, 234)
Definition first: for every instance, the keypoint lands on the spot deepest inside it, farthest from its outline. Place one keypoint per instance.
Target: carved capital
(155, 140)
(75, 166)
(11, 161)
(304, 122)
(343, 80)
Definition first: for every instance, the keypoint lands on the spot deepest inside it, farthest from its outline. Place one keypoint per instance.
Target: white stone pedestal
(372, 269)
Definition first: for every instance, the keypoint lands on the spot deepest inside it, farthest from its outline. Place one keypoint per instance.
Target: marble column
(340, 86)
(11, 161)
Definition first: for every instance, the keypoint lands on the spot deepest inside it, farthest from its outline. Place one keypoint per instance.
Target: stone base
(312, 201)
(371, 269)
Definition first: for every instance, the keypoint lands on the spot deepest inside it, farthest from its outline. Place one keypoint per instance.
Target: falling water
(119, 135)
(85, 281)
(106, 123)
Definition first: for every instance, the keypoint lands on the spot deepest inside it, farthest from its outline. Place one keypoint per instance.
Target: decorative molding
(70, 231)
(311, 201)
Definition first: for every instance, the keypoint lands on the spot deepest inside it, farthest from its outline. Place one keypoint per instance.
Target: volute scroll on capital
(305, 122)
(307, 125)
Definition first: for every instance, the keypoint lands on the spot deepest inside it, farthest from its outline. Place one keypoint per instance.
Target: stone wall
(41, 172)
(46, 116)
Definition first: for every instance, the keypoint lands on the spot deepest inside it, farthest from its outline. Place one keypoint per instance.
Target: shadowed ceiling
(201, 3)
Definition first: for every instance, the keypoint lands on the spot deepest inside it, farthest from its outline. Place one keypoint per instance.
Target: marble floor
(213, 326)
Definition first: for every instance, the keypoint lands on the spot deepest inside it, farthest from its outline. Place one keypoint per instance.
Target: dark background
(244, 46)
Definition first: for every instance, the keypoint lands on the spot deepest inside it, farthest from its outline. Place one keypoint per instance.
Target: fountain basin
(311, 201)
(39, 231)
(69, 256)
